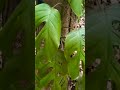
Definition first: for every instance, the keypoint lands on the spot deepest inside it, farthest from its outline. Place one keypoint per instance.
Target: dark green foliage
(18, 68)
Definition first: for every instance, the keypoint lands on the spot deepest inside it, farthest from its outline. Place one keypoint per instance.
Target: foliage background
(102, 34)
(17, 50)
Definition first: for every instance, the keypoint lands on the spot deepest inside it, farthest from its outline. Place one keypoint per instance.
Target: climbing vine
(56, 66)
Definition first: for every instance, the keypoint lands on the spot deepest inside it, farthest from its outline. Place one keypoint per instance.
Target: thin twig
(56, 5)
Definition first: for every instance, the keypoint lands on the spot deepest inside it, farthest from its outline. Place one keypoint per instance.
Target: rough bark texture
(65, 18)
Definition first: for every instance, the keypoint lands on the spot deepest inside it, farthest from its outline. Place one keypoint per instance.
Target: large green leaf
(44, 68)
(51, 31)
(74, 44)
(60, 67)
(76, 6)
(100, 38)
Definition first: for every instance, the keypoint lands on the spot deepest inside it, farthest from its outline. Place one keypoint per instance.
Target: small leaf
(76, 6)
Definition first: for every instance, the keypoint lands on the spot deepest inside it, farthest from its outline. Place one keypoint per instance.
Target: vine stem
(56, 5)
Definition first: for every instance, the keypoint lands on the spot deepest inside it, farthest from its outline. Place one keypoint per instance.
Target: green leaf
(51, 31)
(46, 80)
(60, 67)
(60, 63)
(100, 38)
(56, 85)
(44, 67)
(80, 85)
(74, 43)
(76, 6)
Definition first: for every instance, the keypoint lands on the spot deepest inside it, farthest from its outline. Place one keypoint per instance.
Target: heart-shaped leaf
(51, 31)
(74, 44)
